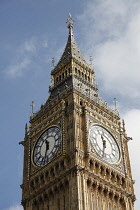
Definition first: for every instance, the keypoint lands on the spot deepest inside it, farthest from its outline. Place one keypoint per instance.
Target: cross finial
(115, 103)
(70, 22)
(91, 59)
(53, 63)
(32, 105)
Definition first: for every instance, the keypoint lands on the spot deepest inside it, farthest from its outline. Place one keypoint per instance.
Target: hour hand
(47, 147)
(104, 141)
(104, 144)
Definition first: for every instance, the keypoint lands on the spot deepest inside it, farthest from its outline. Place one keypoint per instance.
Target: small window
(79, 72)
(63, 76)
(66, 73)
(66, 103)
(91, 165)
(36, 180)
(58, 203)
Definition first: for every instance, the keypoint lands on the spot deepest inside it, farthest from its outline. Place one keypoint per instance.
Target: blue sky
(32, 32)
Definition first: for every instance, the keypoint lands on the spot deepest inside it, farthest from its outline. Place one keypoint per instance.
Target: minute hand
(104, 144)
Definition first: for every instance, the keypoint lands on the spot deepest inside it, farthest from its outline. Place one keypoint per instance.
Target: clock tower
(75, 150)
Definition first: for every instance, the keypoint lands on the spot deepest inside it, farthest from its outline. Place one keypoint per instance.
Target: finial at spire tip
(70, 22)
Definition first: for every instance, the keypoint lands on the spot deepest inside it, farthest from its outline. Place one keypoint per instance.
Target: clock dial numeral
(47, 146)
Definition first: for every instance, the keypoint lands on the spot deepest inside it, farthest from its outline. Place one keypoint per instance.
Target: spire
(71, 49)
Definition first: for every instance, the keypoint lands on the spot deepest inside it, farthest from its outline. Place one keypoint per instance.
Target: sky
(32, 32)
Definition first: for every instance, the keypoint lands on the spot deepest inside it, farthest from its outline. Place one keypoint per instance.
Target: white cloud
(29, 45)
(118, 61)
(132, 120)
(18, 68)
(45, 44)
(107, 19)
(112, 30)
(15, 207)
(24, 57)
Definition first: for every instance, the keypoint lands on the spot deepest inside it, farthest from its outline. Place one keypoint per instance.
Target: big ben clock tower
(75, 150)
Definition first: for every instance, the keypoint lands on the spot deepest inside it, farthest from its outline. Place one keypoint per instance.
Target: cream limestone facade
(75, 151)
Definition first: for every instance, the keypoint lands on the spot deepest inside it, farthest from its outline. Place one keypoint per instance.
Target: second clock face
(47, 146)
(104, 144)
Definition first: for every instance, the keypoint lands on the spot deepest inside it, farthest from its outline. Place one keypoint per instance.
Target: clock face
(47, 146)
(104, 144)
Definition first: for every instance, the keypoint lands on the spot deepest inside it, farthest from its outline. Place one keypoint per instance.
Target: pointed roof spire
(71, 49)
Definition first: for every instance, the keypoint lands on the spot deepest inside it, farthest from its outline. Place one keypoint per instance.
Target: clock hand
(104, 144)
(47, 147)
(103, 151)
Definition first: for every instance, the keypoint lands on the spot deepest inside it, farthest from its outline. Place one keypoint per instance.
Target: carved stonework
(80, 167)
